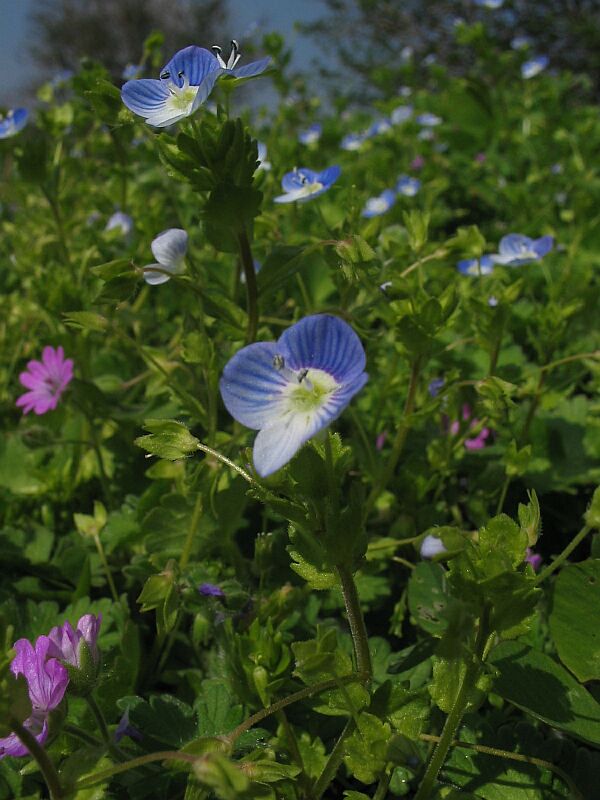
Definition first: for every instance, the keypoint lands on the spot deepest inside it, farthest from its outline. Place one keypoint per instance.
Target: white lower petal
(154, 274)
(276, 445)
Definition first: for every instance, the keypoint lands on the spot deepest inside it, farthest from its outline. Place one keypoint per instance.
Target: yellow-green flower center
(312, 390)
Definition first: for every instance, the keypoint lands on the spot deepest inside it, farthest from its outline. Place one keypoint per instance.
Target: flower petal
(254, 68)
(193, 63)
(276, 444)
(146, 96)
(251, 388)
(543, 245)
(169, 247)
(155, 277)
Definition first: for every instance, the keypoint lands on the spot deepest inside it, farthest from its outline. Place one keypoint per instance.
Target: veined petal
(146, 96)
(254, 68)
(206, 87)
(169, 247)
(298, 178)
(543, 245)
(193, 63)
(329, 175)
(325, 342)
(251, 387)
(276, 444)
(154, 274)
(302, 194)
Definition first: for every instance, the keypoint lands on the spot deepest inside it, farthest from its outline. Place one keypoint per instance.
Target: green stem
(100, 721)
(535, 401)
(42, 758)
(303, 778)
(507, 754)
(224, 460)
(383, 785)
(105, 564)
(563, 556)
(79, 733)
(189, 539)
(251, 286)
(399, 441)
(356, 621)
(134, 763)
(302, 694)
(502, 497)
(455, 716)
(333, 762)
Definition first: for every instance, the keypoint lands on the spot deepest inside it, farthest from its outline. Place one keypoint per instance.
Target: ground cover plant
(300, 449)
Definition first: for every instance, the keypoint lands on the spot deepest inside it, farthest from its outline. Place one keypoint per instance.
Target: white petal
(155, 278)
(169, 248)
(277, 444)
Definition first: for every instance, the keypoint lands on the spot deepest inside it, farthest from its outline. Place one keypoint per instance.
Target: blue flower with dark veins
(229, 67)
(516, 249)
(290, 389)
(311, 135)
(376, 206)
(407, 186)
(476, 266)
(304, 184)
(185, 83)
(13, 122)
(533, 67)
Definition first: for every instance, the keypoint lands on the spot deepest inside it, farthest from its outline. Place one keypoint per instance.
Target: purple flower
(211, 590)
(417, 163)
(67, 645)
(435, 386)
(125, 728)
(380, 440)
(47, 681)
(534, 559)
(516, 249)
(480, 158)
(477, 442)
(304, 184)
(47, 380)
(290, 389)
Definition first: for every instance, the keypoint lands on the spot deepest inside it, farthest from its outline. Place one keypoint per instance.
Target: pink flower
(534, 559)
(380, 441)
(46, 379)
(475, 442)
(480, 158)
(66, 643)
(47, 682)
(418, 162)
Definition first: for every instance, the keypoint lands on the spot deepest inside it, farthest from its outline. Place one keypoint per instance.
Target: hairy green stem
(100, 721)
(507, 754)
(356, 621)
(382, 481)
(302, 694)
(251, 286)
(333, 762)
(106, 566)
(560, 559)
(224, 460)
(79, 733)
(456, 714)
(42, 758)
(193, 527)
(134, 763)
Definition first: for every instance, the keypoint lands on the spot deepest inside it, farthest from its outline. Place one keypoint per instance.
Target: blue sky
(16, 68)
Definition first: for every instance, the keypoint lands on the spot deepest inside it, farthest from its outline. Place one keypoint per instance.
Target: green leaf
(355, 250)
(366, 748)
(167, 439)
(575, 601)
(217, 709)
(536, 683)
(86, 321)
(164, 719)
(428, 597)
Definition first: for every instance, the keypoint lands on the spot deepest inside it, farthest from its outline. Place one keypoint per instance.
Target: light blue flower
(432, 546)
(290, 389)
(304, 184)
(169, 249)
(229, 67)
(491, 4)
(407, 186)
(311, 135)
(376, 206)
(533, 67)
(120, 221)
(521, 42)
(425, 135)
(61, 77)
(132, 71)
(476, 266)
(428, 120)
(378, 127)
(516, 249)
(185, 83)
(13, 122)
(263, 162)
(401, 114)
(353, 141)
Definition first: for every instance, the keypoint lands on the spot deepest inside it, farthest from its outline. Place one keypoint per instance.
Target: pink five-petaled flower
(475, 442)
(47, 681)
(46, 379)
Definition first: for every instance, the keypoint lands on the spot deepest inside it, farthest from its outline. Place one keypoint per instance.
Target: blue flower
(211, 590)
(521, 42)
(407, 186)
(311, 135)
(304, 184)
(378, 127)
(120, 221)
(492, 4)
(376, 206)
(353, 141)
(13, 122)
(435, 386)
(185, 83)
(263, 162)
(290, 389)
(401, 114)
(229, 66)
(169, 249)
(476, 266)
(432, 546)
(516, 249)
(428, 120)
(534, 66)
